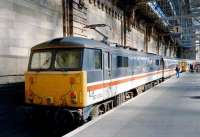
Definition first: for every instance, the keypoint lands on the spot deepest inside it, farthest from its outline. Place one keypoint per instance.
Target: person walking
(177, 71)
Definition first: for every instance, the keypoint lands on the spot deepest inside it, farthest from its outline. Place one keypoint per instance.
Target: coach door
(107, 69)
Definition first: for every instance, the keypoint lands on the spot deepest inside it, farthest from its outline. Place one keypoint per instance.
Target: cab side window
(97, 59)
(94, 59)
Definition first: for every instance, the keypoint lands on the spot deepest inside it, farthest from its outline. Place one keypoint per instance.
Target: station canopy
(179, 18)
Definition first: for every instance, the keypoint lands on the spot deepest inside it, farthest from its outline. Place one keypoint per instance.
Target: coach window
(139, 62)
(142, 61)
(157, 62)
(134, 62)
(145, 61)
(126, 62)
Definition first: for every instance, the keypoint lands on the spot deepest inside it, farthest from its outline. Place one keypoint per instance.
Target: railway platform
(170, 109)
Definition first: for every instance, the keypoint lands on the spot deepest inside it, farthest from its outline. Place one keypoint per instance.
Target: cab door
(107, 72)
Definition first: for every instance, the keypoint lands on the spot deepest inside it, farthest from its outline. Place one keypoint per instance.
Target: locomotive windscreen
(68, 59)
(56, 59)
(41, 60)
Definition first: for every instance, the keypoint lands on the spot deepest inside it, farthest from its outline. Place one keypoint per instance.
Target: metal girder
(196, 14)
(190, 22)
(194, 27)
(195, 9)
(195, 4)
(189, 16)
(192, 37)
(197, 19)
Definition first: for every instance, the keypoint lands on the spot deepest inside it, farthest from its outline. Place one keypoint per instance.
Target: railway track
(13, 122)
(12, 119)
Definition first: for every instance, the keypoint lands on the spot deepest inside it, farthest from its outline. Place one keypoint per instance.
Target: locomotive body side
(80, 75)
(137, 70)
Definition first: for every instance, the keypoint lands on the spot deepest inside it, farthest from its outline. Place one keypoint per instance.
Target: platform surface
(171, 109)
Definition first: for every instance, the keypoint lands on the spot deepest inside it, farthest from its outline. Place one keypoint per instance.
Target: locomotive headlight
(31, 80)
(29, 96)
(75, 79)
(49, 100)
(72, 80)
(29, 99)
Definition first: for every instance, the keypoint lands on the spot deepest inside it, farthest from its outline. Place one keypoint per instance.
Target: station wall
(168, 51)
(90, 12)
(152, 45)
(162, 49)
(23, 24)
(101, 12)
(135, 39)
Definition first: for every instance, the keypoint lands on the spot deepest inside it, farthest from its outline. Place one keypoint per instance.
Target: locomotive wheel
(102, 109)
(116, 101)
(109, 106)
(95, 112)
(34, 117)
(64, 121)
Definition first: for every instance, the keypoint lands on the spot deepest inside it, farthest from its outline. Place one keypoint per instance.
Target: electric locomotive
(83, 78)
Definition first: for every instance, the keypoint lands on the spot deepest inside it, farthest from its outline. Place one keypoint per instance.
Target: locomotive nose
(55, 88)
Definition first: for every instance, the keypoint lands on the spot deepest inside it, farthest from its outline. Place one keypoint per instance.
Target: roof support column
(124, 28)
(165, 49)
(146, 39)
(67, 17)
(170, 50)
(158, 44)
(175, 51)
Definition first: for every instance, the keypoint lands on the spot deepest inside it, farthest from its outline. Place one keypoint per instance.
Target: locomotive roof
(79, 42)
(71, 42)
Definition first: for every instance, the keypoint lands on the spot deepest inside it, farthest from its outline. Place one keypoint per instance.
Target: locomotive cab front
(55, 78)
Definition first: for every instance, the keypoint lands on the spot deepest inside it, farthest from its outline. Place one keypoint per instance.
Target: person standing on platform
(177, 71)
(191, 68)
